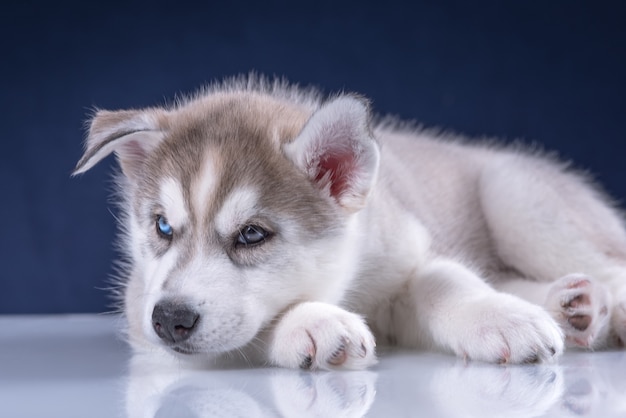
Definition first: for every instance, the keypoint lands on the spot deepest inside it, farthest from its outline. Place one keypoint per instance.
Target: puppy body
(262, 220)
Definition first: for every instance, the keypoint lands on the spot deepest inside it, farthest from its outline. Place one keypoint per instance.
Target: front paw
(502, 328)
(316, 335)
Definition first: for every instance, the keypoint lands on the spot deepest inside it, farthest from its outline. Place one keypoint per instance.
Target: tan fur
(412, 231)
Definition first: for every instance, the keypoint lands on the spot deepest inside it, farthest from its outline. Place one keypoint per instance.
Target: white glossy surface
(76, 366)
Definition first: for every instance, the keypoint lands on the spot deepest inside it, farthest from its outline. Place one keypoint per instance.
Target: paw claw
(307, 363)
(506, 356)
(339, 356)
(316, 335)
(534, 358)
(363, 352)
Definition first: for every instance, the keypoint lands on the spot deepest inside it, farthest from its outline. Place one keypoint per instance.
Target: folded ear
(131, 134)
(337, 151)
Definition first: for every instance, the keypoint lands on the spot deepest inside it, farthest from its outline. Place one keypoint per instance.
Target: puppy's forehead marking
(238, 207)
(204, 187)
(172, 199)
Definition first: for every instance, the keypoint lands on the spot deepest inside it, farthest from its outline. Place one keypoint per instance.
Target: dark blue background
(546, 71)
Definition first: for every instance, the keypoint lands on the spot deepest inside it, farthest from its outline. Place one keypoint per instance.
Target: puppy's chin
(179, 358)
(190, 350)
(185, 350)
(162, 357)
(193, 359)
(239, 352)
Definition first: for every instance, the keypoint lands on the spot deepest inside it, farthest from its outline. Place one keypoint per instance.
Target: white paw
(580, 305)
(501, 328)
(316, 335)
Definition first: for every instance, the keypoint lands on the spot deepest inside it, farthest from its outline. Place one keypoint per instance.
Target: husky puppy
(263, 220)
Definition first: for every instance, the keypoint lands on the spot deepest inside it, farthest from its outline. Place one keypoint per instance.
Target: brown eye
(251, 235)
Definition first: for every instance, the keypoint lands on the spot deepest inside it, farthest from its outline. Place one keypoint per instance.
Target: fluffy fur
(263, 220)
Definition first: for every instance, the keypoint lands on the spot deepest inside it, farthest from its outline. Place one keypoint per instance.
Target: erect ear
(337, 151)
(131, 134)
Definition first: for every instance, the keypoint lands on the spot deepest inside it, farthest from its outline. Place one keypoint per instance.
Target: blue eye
(163, 227)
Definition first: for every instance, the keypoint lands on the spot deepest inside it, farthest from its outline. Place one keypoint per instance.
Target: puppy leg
(459, 312)
(547, 223)
(316, 335)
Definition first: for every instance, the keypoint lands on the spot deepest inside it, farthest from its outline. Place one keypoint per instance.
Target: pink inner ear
(338, 168)
(133, 151)
(132, 156)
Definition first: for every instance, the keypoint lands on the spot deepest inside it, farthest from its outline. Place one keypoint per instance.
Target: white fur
(402, 237)
(205, 185)
(173, 203)
(238, 208)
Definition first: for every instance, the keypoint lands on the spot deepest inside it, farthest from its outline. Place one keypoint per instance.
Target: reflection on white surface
(595, 385)
(404, 384)
(76, 366)
(433, 385)
(488, 391)
(346, 394)
(168, 391)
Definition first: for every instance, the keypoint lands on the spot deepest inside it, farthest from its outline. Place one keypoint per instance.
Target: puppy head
(237, 205)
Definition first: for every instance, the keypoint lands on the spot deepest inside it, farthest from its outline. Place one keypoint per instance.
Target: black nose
(174, 322)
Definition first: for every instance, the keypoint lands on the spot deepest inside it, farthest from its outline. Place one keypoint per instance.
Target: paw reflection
(345, 394)
(155, 390)
(487, 391)
(594, 386)
(405, 384)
